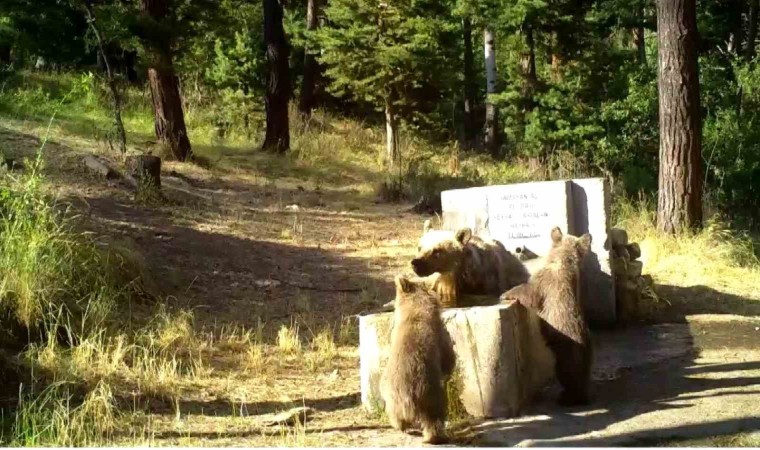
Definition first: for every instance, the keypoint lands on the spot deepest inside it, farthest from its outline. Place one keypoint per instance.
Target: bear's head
(569, 247)
(411, 291)
(440, 251)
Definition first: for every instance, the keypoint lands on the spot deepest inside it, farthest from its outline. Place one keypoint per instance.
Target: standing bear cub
(553, 293)
(421, 358)
(466, 264)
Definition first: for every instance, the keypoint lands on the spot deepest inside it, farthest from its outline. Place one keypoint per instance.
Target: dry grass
(715, 269)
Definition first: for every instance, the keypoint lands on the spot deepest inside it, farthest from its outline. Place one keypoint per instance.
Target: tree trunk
(638, 37)
(469, 85)
(391, 132)
(277, 137)
(118, 123)
(164, 84)
(528, 68)
(5, 53)
(310, 65)
(752, 29)
(492, 119)
(679, 204)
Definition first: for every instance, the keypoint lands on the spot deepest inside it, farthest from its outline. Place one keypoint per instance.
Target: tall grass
(715, 256)
(56, 417)
(51, 276)
(58, 291)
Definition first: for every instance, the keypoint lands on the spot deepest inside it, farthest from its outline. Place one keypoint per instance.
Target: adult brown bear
(466, 264)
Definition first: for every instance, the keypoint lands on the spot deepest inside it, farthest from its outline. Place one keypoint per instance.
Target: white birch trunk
(391, 131)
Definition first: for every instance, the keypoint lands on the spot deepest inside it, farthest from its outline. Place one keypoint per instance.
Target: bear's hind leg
(573, 376)
(433, 432)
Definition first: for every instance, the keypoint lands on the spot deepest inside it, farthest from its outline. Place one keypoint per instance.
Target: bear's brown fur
(467, 264)
(553, 293)
(421, 358)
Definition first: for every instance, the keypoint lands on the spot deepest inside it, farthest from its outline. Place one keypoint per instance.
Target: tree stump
(145, 170)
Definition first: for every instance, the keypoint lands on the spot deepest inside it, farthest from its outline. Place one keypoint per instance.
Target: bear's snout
(420, 267)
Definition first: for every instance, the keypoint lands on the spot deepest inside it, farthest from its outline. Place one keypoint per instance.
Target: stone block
(634, 251)
(502, 360)
(634, 269)
(591, 214)
(465, 208)
(619, 266)
(621, 252)
(618, 237)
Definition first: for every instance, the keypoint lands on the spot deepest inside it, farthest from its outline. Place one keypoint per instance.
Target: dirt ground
(239, 249)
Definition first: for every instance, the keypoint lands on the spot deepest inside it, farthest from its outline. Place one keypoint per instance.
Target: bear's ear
(428, 282)
(403, 285)
(556, 236)
(427, 226)
(584, 244)
(464, 235)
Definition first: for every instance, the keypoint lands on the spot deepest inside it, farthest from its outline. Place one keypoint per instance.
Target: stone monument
(521, 217)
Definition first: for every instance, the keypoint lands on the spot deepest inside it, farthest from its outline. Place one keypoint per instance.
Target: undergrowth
(716, 256)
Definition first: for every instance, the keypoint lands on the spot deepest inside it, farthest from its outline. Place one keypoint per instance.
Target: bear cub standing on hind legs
(553, 293)
(421, 358)
(467, 264)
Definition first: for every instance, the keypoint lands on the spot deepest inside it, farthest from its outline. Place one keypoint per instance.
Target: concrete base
(502, 360)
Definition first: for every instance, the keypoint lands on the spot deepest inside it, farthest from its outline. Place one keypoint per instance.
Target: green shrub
(53, 278)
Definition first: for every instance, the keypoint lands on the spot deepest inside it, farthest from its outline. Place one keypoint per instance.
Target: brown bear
(467, 264)
(421, 358)
(553, 293)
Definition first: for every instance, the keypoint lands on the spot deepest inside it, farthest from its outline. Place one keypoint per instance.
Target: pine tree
(382, 52)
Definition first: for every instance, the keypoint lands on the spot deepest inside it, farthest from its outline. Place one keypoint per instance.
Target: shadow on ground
(649, 383)
(686, 301)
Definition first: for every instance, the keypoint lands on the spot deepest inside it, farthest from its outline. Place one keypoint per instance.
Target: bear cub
(553, 293)
(467, 264)
(421, 358)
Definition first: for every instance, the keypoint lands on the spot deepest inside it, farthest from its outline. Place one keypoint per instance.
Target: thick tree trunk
(310, 65)
(164, 84)
(277, 137)
(115, 96)
(638, 37)
(492, 119)
(469, 85)
(679, 204)
(752, 29)
(391, 132)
